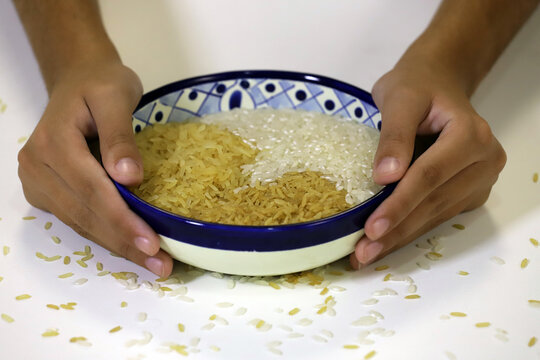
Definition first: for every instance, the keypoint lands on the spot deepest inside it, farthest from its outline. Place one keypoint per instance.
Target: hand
(453, 175)
(60, 175)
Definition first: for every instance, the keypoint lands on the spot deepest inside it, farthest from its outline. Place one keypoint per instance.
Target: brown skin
(428, 93)
(93, 94)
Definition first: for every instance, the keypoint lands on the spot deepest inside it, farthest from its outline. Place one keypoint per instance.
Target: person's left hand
(455, 174)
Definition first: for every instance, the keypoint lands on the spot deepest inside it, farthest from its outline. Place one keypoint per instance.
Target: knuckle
(500, 159)
(482, 132)
(431, 175)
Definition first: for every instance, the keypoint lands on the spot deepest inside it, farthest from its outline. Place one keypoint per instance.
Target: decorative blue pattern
(184, 99)
(251, 93)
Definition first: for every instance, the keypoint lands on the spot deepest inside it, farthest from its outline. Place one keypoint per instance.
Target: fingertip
(127, 171)
(354, 261)
(388, 170)
(161, 264)
(367, 251)
(146, 245)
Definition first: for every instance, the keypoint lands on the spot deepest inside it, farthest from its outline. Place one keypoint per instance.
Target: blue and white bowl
(255, 250)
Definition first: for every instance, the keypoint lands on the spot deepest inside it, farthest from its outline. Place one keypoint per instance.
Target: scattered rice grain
(497, 260)
(370, 301)
(350, 346)
(382, 268)
(66, 275)
(482, 324)
(52, 306)
(80, 281)
(6, 250)
(48, 225)
(524, 263)
(50, 333)
(67, 260)
(23, 297)
(532, 341)
(458, 314)
(7, 318)
(365, 321)
(458, 226)
(28, 217)
(413, 296)
(534, 242)
(369, 355)
(115, 329)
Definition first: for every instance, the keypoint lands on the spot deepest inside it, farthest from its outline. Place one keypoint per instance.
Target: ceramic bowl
(256, 250)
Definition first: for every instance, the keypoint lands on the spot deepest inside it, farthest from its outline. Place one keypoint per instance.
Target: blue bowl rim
(296, 227)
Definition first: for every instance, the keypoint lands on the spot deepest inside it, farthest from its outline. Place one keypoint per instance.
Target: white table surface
(354, 41)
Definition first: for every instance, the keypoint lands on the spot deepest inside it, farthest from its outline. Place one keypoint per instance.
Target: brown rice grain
(7, 318)
(115, 329)
(482, 324)
(369, 355)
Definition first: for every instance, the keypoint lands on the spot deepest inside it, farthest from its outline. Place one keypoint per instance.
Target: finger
(112, 113)
(82, 174)
(66, 207)
(459, 194)
(401, 112)
(449, 155)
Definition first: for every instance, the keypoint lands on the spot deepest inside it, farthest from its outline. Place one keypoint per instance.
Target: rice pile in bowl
(257, 167)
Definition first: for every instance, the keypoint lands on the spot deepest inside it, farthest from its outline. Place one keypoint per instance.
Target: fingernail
(144, 245)
(354, 262)
(127, 166)
(388, 165)
(155, 265)
(371, 251)
(379, 228)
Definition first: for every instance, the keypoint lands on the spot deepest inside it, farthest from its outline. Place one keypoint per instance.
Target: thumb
(401, 112)
(119, 152)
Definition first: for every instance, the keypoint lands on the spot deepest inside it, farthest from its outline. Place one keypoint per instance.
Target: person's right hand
(59, 174)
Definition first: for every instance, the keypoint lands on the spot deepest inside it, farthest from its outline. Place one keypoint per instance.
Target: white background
(353, 41)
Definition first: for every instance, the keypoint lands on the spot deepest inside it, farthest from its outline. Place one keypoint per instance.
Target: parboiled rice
(262, 167)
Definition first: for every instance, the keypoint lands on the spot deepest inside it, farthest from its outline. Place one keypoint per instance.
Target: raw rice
(524, 263)
(310, 165)
(534, 242)
(482, 324)
(50, 333)
(115, 329)
(48, 225)
(458, 226)
(497, 260)
(532, 341)
(413, 296)
(23, 297)
(369, 355)
(458, 314)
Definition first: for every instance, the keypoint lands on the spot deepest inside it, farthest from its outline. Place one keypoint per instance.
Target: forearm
(466, 37)
(64, 34)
